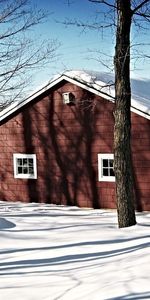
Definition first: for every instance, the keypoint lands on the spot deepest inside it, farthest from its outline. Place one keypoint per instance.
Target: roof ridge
(82, 78)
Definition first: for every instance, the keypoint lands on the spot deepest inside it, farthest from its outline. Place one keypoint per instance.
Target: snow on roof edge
(93, 82)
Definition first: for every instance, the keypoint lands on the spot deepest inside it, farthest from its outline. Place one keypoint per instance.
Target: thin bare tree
(20, 53)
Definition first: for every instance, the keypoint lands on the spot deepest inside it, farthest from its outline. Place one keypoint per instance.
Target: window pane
(25, 170)
(108, 167)
(30, 162)
(111, 162)
(105, 172)
(112, 172)
(19, 161)
(19, 169)
(105, 163)
(31, 171)
(24, 161)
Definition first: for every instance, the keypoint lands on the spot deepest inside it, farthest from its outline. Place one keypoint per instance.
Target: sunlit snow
(53, 252)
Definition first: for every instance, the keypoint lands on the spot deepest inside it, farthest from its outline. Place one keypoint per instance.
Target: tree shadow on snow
(133, 296)
(5, 224)
(72, 259)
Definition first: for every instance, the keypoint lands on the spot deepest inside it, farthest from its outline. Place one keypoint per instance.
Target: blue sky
(79, 47)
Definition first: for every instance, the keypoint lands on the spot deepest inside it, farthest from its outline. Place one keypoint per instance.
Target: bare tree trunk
(122, 147)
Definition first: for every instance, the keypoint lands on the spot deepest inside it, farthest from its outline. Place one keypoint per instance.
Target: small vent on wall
(68, 98)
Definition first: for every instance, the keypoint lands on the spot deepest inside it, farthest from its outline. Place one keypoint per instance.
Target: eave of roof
(97, 89)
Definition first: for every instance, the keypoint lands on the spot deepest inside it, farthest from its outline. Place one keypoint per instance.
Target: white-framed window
(25, 166)
(105, 167)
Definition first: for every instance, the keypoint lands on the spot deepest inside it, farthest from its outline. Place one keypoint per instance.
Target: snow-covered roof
(99, 83)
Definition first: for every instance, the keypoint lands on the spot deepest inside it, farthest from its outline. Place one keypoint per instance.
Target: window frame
(101, 157)
(22, 156)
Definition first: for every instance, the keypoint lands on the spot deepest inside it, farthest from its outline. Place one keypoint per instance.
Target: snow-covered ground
(52, 252)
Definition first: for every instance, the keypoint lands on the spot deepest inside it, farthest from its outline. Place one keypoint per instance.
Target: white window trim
(102, 156)
(25, 176)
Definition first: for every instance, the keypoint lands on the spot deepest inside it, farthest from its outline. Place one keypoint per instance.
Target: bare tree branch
(19, 52)
(104, 2)
(138, 7)
(87, 25)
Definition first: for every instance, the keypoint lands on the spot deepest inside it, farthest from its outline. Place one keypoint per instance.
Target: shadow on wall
(141, 162)
(30, 148)
(62, 137)
(66, 140)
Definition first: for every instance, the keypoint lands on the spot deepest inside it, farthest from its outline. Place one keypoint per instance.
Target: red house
(57, 145)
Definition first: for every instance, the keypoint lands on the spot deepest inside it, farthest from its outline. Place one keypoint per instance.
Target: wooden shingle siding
(66, 140)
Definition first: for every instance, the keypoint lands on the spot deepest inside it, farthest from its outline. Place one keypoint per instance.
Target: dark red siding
(141, 160)
(67, 140)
